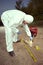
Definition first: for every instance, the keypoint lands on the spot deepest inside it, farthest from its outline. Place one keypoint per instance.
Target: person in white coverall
(11, 20)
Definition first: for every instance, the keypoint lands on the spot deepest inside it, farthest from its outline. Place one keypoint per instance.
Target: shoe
(11, 53)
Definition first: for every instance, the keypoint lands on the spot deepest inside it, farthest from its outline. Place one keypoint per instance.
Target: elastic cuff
(10, 50)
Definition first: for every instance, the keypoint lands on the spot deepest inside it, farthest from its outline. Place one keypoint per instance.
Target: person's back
(13, 16)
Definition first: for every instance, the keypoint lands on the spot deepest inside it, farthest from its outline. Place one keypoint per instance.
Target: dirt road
(22, 56)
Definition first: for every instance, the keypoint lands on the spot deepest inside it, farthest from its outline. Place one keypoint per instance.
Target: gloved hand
(31, 38)
(31, 41)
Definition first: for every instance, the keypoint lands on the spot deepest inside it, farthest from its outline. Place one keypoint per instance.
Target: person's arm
(27, 30)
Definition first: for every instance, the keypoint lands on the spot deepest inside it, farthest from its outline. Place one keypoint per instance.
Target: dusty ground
(22, 56)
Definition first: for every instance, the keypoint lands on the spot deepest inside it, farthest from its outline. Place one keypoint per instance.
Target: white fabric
(26, 28)
(28, 18)
(15, 32)
(13, 17)
(11, 20)
(9, 39)
(15, 37)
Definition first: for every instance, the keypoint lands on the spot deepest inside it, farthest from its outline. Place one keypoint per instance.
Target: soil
(22, 57)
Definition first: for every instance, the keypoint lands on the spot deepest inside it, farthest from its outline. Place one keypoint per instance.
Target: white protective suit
(11, 20)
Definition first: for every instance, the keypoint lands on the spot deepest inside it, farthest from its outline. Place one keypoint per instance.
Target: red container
(34, 31)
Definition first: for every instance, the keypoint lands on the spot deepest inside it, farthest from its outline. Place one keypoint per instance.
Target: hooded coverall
(11, 20)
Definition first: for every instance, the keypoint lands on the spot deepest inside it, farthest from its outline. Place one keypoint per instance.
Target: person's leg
(8, 34)
(15, 35)
(9, 40)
